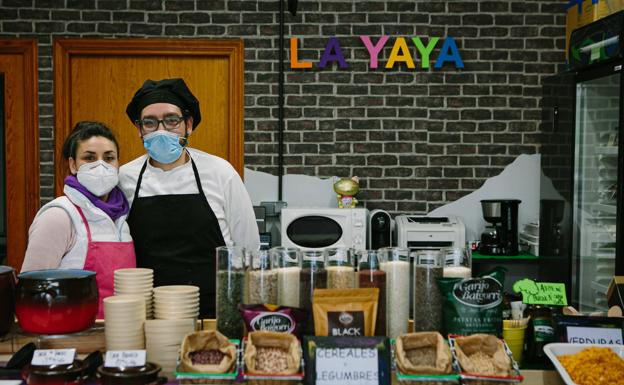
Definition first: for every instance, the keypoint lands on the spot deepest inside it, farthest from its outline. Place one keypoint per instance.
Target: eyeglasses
(170, 123)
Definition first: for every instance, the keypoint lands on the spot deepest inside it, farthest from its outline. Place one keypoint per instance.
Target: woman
(85, 228)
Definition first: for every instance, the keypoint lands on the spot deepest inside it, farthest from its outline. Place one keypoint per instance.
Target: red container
(72, 374)
(140, 375)
(57, 301)
(7, 299)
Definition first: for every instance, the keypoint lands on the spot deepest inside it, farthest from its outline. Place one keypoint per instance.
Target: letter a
(449, 45)
(405, 56)
(333, 45)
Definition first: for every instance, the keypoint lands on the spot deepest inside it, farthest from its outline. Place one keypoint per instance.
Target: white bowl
(132, 278)
(133, 281)
(188, 315)
(553, 350)
(113, 345)
(146, 294)
(177, 314)
(134, 271)
(173, 308)
(125, 340)
(176, 289)
(123, 300)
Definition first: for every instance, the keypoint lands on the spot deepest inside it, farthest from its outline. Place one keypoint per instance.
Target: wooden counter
(93, 339)
(84, 342)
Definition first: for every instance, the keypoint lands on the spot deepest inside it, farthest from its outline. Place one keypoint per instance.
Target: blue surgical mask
(163, 146)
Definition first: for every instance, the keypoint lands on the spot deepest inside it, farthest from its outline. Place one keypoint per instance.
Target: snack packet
(473, 305)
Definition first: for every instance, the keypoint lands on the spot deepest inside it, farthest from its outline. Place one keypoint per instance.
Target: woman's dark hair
(83, 131)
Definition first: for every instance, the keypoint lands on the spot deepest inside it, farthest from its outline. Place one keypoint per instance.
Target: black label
(273, 322)
(342, 323)
(479, 292)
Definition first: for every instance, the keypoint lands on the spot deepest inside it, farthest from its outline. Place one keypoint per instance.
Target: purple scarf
(116, 206)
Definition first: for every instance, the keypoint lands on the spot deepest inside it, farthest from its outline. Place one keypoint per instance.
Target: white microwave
(318, 228)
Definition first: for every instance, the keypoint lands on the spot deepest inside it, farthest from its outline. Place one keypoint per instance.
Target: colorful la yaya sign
(400, 53)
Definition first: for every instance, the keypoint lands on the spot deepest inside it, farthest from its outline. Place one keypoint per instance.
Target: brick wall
(417, 138)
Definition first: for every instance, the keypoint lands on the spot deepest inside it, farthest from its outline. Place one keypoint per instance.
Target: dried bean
(206, 357)
(271, 360)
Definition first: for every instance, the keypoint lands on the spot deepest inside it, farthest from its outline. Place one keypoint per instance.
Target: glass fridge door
(595, 190)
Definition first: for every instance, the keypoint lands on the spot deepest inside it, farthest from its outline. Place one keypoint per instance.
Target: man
(184, 202)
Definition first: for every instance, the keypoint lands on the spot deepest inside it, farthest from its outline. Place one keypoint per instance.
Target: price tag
(541, 293)
(347, 366)
(595, 53)
(602, 336)
(50, 357)
(124, 358)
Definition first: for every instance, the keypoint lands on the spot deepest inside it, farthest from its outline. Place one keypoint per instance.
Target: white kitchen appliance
(313, 228)
(418, 232)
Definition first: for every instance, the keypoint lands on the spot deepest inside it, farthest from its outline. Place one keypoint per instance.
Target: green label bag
(473, 305)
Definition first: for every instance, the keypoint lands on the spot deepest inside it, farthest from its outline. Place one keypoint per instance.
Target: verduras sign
(400, 53)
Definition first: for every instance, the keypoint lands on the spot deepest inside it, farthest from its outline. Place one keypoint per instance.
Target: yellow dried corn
(594, 366)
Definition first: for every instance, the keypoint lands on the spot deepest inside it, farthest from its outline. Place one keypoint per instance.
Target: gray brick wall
(416, 138)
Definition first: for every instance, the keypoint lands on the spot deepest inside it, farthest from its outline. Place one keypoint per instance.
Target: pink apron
(104, 258)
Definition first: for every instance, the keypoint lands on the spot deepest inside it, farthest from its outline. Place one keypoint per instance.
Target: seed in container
(272, 353)
(271, 360)
(206, 357)
(207, 351)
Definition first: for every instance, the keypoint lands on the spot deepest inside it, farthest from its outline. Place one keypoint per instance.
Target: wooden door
(95, 79)
(18, 67)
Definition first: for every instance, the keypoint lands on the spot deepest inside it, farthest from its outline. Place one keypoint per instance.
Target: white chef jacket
(222, 186)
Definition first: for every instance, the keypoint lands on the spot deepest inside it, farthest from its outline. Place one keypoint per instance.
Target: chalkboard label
(347, 360)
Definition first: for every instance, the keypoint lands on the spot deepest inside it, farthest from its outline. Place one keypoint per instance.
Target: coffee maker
(501, 237)
(550, 232)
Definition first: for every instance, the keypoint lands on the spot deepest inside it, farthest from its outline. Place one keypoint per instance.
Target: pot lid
(56, 274)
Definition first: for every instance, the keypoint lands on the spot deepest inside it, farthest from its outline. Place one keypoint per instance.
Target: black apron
(176, 236)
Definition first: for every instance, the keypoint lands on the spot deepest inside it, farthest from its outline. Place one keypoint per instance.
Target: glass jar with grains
(287, 264)
(340, 268)
(428, 267)
(457, 262)
(261, 279)
(313, 276)
(230, 290)
(370, 275)
(394, 261)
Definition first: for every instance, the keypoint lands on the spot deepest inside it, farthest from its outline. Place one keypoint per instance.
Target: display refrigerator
(581, 202)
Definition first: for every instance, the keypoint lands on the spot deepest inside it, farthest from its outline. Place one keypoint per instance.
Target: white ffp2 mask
(98, 177)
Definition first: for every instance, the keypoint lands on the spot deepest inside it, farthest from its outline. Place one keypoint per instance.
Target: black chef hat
(173, 91)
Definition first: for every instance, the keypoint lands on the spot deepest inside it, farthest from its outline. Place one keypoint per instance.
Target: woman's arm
(50, 237)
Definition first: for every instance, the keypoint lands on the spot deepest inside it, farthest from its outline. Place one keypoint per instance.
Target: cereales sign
(400, 53)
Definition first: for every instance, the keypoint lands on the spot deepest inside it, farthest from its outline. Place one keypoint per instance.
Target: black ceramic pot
(140, 375)
(57, 301)
(7, 299)
(72, 374)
